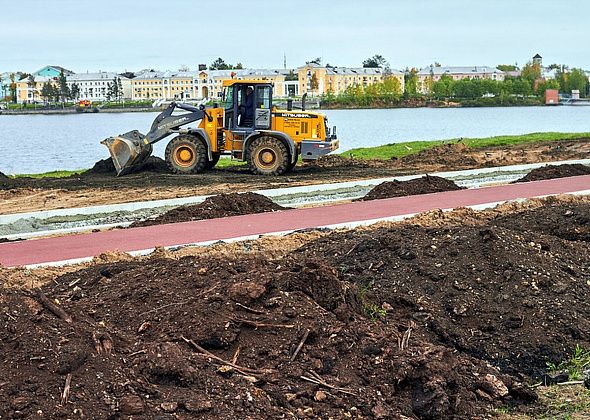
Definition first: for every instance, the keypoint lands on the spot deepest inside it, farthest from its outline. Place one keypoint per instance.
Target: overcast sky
(165, 34)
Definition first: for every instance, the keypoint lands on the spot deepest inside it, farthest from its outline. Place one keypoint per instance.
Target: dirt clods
(402, 320)
(425, 185)
(223, 205)
(555, 171)
(106, 167)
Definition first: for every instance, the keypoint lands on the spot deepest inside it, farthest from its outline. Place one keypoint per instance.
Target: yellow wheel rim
(184, 156)
(267, 157)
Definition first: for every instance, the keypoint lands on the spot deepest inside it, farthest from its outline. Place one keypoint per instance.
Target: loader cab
(247, 105)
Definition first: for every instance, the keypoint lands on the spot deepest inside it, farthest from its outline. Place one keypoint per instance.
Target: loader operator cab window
(228, 96)
(246, 106)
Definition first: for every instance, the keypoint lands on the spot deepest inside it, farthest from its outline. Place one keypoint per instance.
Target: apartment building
(432, 74)
(95, 86)
(29, 90)
(319, 80)
(204, 84)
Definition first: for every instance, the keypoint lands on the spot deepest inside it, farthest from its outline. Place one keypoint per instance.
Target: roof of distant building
(93, 76)
(438, 71)
(58, 68)
(537, 56)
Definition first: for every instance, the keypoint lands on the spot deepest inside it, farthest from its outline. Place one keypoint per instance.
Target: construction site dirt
(223, 205)
(448, 315)
(100, 186)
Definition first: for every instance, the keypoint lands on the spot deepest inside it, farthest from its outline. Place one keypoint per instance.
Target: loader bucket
(128, 151)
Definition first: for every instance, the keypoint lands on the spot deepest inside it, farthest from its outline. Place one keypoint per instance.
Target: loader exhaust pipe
(303, 98)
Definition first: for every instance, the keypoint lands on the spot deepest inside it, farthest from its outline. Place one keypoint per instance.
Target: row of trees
(386, 93)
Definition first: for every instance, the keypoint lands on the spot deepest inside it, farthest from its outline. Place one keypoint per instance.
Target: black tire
(291, 166)
(211, 163)
(268, 156)
(186, 154)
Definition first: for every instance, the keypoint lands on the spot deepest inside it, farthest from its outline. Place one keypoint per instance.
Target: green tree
(375, 61)
(531, 71)
(522, 86)
(411, 81)
(506, 67)
(547, 84)
(317, 60)
(75, 91)
(12, 87)
(577, 80)
(219, 64)
(31, 83)
(64, 90)
(238, 66)
(314, 82)
(443, 88)
(47, 91)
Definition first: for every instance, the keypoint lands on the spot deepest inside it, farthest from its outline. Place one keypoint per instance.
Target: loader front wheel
(186, 154)
(268, 156)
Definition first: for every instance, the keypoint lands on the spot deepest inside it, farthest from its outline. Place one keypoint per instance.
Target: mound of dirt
(453, 155)
(219, 338)
(106, 167)
(337, 161)
(3, 176)
(569, 221)
(555, 171)
(223, 205)
(500, 291)
(425, 185)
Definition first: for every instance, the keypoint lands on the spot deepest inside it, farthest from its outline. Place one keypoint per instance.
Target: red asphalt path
(144, 238)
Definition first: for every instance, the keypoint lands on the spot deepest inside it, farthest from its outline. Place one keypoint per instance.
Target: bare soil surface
(425, 185)
(101, 186)
(410, 319)
(555, 171)
(223, 205)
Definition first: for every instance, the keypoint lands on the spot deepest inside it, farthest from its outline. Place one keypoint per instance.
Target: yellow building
(29, 90)
(429, 75)
(318, 80)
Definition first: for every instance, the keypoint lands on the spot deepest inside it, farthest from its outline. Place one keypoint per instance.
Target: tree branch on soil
(241, 369)
(317, 379)
(53, 308)
(301, 343)
(260, 324)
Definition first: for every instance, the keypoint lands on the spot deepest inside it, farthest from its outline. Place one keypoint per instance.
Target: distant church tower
(537, 59)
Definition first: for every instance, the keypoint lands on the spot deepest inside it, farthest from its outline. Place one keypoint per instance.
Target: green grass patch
(398, 150)
(52, 174)
(575, 366)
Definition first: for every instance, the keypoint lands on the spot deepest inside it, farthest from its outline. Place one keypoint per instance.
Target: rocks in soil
(223, 205)
(403, 320)
(425, 185)
(555, 171)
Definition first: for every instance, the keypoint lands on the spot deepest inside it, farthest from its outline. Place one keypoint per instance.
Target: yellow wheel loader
(247, 127)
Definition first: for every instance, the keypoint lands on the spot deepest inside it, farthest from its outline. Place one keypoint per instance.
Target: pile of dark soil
(337, 161)
(453, 155)
(223, 205)
(569, 221)
(555, 171)
(247, 338)
(3, 176)
(425, 185)
(501, 292)
(106, 167)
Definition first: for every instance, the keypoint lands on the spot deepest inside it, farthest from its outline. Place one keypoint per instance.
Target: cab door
(229, 108)
(263, 104)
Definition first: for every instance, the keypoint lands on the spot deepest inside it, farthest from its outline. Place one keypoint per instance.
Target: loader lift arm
(130, 150)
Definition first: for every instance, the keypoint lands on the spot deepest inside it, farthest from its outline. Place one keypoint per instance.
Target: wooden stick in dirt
(52, 307)
(301, 343)
(261, 324)
(66, 394)
(240, 369)
(247, 308)
(316, 379)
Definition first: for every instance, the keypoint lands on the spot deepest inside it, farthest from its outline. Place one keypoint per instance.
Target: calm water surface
(41, 143)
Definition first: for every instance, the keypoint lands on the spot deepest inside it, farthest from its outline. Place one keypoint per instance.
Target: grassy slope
(402, 149)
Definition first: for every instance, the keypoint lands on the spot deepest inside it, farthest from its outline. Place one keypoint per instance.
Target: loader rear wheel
(186, 154)
(211, 163)
(268, 156)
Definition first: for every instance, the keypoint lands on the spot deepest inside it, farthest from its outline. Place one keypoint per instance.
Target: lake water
(41, 143)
